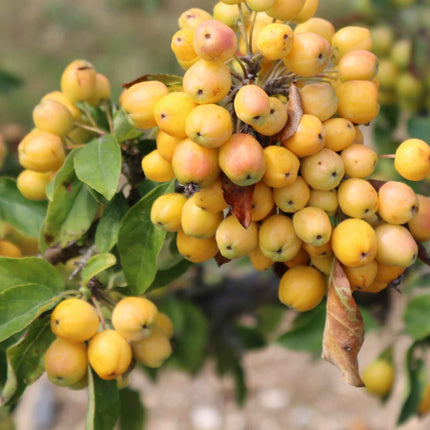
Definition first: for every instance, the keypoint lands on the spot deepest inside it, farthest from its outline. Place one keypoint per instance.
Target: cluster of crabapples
(59, 124)
(229, 122)
(140, 334)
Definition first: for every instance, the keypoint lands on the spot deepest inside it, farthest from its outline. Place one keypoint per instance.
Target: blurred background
(288, 390)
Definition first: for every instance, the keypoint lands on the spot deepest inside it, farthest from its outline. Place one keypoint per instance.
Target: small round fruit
(326, 200)
(65, 362)
(319, 99)
(211, 198)
(275, 41)
(312, 225)
(78, 81)
(302, 288)
(109, 354)
(74, 320)
(102, 91)
(32, 184)
(153, 350)
(262, 201)
(292, 198)
(359, 160)
(134, 318)
(349, 39)
(358, 65)
(419, 226)
(363, 276)
(339, 133)
(319, 26)
(165, 324)
(194, 249)
(357, 198)
(8, 249)
(166, 211)
(282, 166)
(412, 159)
(378, 378)
(191, 18)
(156, 168)
(286, 10)
(252, 105)
(52, 116)
(182, 44)
(59, 97)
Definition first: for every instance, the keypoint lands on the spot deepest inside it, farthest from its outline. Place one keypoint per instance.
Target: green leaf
(164, 277)
(307, 331)
(29, 270)
(140, 242)
(96, 264)
(132, 411)
(21, 305)
(173, 309)
(108, 226)
(415, 384)
(240, 384)
(416, 317)
(24, 214)
(419, 127)
(70, 213)
(270, 316)
(122, 129)
(103, 403)
(9, 82)
(251, 337)
(98, 164)
(25, 360)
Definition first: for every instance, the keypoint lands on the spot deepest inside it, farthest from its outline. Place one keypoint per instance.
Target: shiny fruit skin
(165, 324)
(286, 10)
(156, 168)
(52, 116)
(194, 249)
(109, 354)
(350, 38)
(312, 225)
(319, 99)
(302, 288)
(282, 166)
(419, 226)
(412, 159)
(32, 184)
(166, 211)
(153, 350)
(359, 160)
(192, 17)
(357, 198)
(378, 378)
(74, 320)
(78, 81)
(8, 249)
(293, 197)
(134, 318)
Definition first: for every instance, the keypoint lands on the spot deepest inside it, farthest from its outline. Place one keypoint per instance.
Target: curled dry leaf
(423, 254)
(344, 328)
(295, 113)
(240, 200)
(376, 183)
(221, 260)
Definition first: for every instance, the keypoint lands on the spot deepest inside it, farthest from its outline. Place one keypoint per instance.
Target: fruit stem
(106, 108)
(251, 30)
(387, 156)
(242, 27)
(244, 71)
(87, 127)
(99, 311)
(88, 115)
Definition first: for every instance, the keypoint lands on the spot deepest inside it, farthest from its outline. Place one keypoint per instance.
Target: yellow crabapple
(396, 245)
(319, 26)
(59, 97)
(166, 144)
(41, 151)
(308, 11)
(309, 137)
(232, 1)
(302, 288)
(277, 238)
(211, 198)
(262, 201)
(282, 166)
(134, 318)
(359, 160)
(139, 102)
(242, 159)
(292, 197)
(214, 41)
(325, 200)
(275, 41)
(324, 263)
(348, 39)
(339, 133)
(387, 272)
(74, 320)
(156, 168)
(312, 225)
(165, 324)
(323, 170)
(398, 203)
(209, 125)
(171, 112)
(382, 37)
(109, 354)
(319, 99)
(309, 54)
(233, 240)
(358, 65)
(198, 222)
(361, 277)
(207, 81)
(358, 101)
(357, 198)
(182, 44)
(354, 242)
(227, 13)
(318, 251)
(286, 10)
(302, 258)
(65, 362)
(193, 163)
(412, 159)
(276, 119)
(102, 91)
(193, 17)
(186, 64)
(166, 211)
(419, 226)
(52, 116)
(252, 105)
(387, 74)
(32, 184)
(153, 350)
(194, 249)
(259, 260)
(260, 5)
(8, 249)
(378, 377)
(78, 81)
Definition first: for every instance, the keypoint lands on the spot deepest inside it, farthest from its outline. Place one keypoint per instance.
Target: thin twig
(88, 115)
(87, 127)
(106, 108)
(99, 312)
(80, 264)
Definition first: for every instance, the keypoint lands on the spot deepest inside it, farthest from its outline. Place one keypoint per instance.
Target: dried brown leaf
(221, 260)
(376, 183)
(344, 328)
(295, 113)
(240, 200)
(423, 254)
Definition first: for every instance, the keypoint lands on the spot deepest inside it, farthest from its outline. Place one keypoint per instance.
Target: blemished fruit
(153, 350)
(134, 318)
(74, 320)
(78, 81)
(378, 378)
